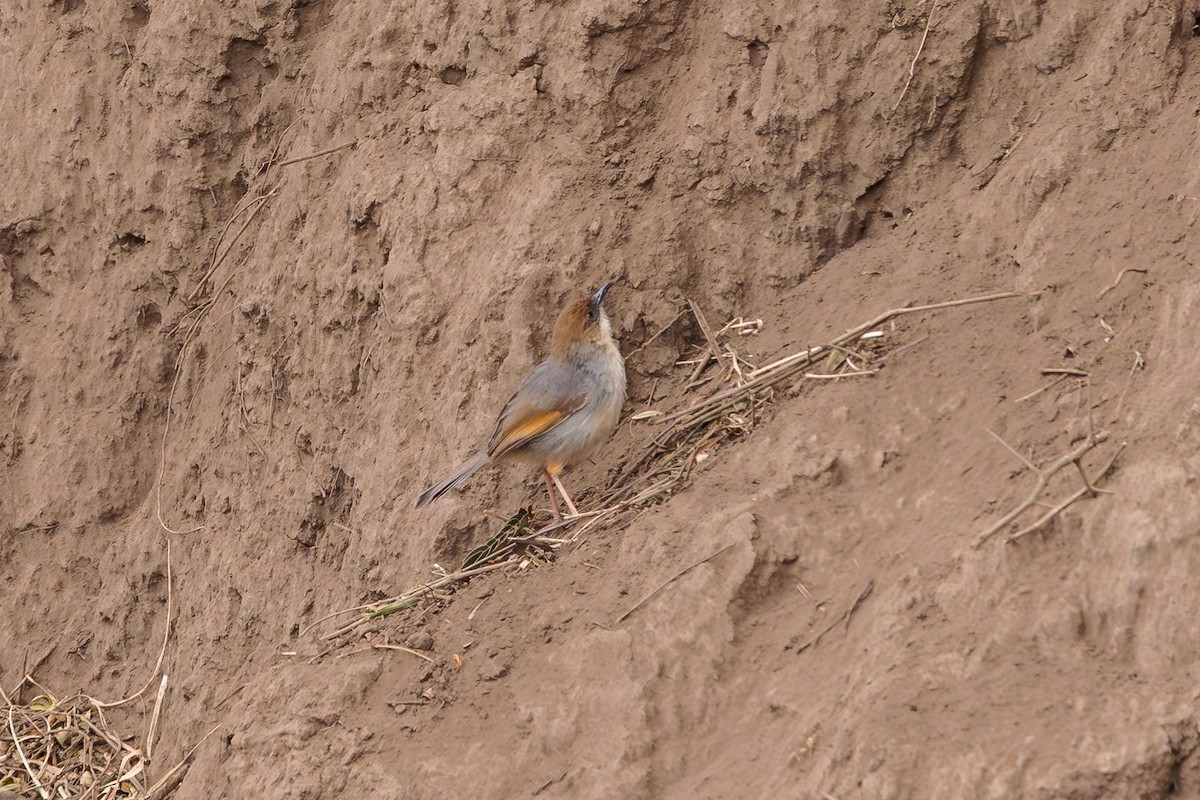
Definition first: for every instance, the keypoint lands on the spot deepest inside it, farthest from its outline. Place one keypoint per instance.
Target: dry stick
(1138, 361)
(1036, 392)
(901, 349)
(162, 460)
(782, 369)
(263, 166)
(333, 614)
(1061, 507)
(671, 580)
(327, 151)
(866, 592)
(21, 752)
(257, 204)
(1078, 373)
(714, 349)
(836, 376)
(788, 361)
(1120, 275)
(162, 455)
(660, 332)
(33, 528)
(1012, 450)
(169, 782)
(412, 594)
(1086, 385)
(716, 401)
(912, 68)
(237, 212)
(349, 653)
(154, 716)
(1043, 478)
(606, 512)
(402, 649)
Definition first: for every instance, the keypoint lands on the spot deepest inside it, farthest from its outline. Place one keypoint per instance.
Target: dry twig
(327, 151)
(1088, 489)
(197, 314)
(1044, 476)
(912, 68)
(1120, 275)
(500, 552)
(1138, 363)
(1012, 450)
(671, 580)
(781, 370)
(866, 592)
(714, 350)
(657, 334)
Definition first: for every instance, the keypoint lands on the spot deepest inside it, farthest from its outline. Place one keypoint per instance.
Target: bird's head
(583, 322)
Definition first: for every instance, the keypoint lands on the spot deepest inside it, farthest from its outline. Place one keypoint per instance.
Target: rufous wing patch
(533, 425)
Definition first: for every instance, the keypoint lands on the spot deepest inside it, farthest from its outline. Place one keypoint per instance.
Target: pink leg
(550, 491)
(566, 497)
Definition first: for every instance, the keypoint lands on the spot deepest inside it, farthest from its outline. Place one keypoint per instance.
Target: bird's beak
(598, 298)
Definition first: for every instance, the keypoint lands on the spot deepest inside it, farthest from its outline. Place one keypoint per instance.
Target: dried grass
(63, 749)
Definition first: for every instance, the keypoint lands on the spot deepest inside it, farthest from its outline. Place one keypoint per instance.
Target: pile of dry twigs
(60, 749)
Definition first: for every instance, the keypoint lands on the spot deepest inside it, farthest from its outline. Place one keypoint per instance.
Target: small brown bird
(567, 407)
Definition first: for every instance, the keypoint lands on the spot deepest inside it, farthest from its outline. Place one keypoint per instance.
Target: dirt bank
(205, 331)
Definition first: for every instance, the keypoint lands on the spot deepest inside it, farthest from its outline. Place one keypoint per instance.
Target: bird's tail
(456, 477)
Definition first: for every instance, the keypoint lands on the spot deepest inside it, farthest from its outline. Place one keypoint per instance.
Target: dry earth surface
(272, 357)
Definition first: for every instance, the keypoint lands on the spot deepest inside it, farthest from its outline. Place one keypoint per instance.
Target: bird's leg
(550, 491)
(570, 504)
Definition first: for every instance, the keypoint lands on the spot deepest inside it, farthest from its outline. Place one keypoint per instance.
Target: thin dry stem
(376, 610)
(169, 782)
(1038, 391)
(912, 68)
(855, 374)
(402, 649)
(162, 651)
(1138, 363)
(1044, 476)
(318, 154)
(257, 205)
(154, 717)
(1088, 489)
(1120, 275)
(784, 368)
(1012, 450)
(671, 580)
(33, 776)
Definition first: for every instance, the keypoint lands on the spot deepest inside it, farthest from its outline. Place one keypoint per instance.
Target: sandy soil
(811, 165)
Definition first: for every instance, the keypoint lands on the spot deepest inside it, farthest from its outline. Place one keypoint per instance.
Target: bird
(564, 410)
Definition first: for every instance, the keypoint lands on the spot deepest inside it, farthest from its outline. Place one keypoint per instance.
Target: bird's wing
(541, 403)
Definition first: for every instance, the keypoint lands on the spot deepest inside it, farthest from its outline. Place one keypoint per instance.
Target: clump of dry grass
(66, 749)
(691, 434)
(513, 547)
